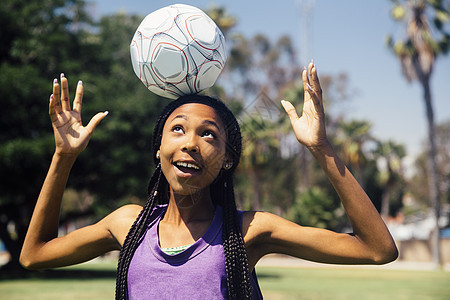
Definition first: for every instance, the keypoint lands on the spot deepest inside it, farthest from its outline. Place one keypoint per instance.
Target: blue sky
(344, 37)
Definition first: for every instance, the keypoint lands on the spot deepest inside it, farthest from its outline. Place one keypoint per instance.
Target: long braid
(222, 193)
(236, 261)
(156, 194)
(136, 232)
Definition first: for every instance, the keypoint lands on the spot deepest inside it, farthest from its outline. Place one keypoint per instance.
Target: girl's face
(193, 148)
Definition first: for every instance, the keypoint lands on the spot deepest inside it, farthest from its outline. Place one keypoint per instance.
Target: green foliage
(38, 41)
(120, 153)
(313, 208)
(35, 38)
(390, 175)
(221, 17)
(350, 139)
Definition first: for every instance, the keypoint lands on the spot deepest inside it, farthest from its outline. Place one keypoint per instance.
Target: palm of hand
(309, 128)
(71, 137)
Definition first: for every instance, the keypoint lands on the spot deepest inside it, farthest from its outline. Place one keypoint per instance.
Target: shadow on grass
(80, 274)
(57, 274)
(264, 275)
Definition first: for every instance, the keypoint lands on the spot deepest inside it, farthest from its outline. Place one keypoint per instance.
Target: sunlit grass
(97, 281)
(318, 283)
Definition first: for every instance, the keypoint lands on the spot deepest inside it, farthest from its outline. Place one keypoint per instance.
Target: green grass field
(96, 281)
(318, 283)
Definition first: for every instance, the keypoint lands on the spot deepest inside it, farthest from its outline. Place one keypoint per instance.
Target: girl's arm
(370, 242)
(42, 248)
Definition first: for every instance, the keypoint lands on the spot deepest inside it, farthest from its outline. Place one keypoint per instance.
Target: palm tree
(417, 54)
(392, 153)
(260, 146)
(351, 137)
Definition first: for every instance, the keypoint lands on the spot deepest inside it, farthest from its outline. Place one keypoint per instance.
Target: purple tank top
(196, 273)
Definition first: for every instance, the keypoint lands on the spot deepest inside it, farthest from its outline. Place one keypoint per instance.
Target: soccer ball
(178, 50)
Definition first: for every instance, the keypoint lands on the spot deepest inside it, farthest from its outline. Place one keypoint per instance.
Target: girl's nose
(190, 148)
(190, 145)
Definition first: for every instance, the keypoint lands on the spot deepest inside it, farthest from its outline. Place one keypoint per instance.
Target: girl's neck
(189, 208)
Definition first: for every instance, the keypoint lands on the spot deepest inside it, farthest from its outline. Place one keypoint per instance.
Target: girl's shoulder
(254, 223)
(126, 211)
(120, 221)
(256, 218)
(131, 212)
(257, 231)
(259, 225)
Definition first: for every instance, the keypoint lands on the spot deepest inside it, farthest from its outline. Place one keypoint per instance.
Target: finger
(310, 67)
(54, 103)
(51, 108)
(315, 99)
(305, 79)
(313, 87)
(314, 80)
(307, 87)
(95, 120)
(290, 110)
(56, 97)
(64, 93)
(78, 97)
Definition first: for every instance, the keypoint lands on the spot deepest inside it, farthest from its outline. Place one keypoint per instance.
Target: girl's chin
(187, 189)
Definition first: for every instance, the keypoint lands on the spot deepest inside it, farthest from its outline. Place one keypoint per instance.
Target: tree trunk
(433, 175)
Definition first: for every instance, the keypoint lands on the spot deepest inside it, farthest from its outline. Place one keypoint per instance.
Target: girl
(189, 241)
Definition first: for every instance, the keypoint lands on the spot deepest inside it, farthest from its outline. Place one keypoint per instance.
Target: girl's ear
(158, 154)
(227, 163)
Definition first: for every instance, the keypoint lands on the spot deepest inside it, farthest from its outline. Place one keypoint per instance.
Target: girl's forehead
(196, 112)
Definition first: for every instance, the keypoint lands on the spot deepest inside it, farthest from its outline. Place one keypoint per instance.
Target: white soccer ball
(178, 50)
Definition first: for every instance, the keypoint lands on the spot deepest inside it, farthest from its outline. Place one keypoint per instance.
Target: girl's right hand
(71, 137)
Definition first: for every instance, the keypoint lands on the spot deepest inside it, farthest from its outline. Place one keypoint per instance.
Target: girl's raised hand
(71, 137)
(309, 128)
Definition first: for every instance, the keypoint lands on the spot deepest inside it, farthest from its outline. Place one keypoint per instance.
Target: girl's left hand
(309, 128)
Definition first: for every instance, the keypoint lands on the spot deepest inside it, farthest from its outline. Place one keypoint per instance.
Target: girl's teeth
(187, 165)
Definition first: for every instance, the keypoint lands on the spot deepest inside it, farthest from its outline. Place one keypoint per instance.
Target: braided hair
(222, 193)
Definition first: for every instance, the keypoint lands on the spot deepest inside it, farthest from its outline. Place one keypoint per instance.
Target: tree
(260, 148)
(350, 139)
(443, 158)
(391, 154)
(417, 54)
(221, 17)
(43, 41)
(34, 39)
(420, 177)
(122, 144)
(314, 207)
(261, 70)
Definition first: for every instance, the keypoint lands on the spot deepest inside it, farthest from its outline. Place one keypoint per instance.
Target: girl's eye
(209, 134)
(177, 129)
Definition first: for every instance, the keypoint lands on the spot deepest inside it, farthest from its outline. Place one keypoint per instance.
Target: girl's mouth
(186, 169)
